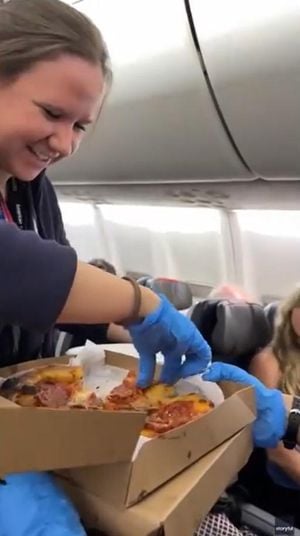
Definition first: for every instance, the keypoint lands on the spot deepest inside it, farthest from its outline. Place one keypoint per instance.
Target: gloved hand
(32, 504)
(271, 421)
(167, 331)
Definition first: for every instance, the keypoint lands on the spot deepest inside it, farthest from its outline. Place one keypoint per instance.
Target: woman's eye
(56, 116)
(51, 114)
(78, 126)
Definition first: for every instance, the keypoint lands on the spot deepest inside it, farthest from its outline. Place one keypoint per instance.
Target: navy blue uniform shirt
(37, 269)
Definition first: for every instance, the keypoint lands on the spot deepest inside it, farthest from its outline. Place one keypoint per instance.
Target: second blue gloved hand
(167, 331)
(270, 425)
(32, 504)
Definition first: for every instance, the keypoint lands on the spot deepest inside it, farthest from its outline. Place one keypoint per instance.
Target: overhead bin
(251, 51)
(160, 123)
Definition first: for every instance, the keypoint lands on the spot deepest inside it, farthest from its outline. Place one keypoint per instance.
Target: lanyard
(17, 204)
(5, 210)
(22, 207)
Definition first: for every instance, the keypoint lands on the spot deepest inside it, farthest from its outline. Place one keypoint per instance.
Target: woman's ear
(295, 320)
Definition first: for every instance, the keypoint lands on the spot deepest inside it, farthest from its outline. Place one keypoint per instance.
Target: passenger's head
(286, 343)
(54, 72)
(103, 265)
(228, 291)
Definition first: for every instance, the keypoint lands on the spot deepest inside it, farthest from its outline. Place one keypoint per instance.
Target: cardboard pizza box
(163, 457)
(96, 448)
(176, 508)
(44, 439)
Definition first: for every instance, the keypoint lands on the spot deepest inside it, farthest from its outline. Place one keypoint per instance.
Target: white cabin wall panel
(196, 258)
(83, 231)
(133, 246)
(183, 243)
(271, 251)
(274, 263)
(194, 253)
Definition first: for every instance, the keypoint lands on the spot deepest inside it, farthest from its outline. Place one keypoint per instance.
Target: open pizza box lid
(44, 439)
(158, 460)
(176, 508)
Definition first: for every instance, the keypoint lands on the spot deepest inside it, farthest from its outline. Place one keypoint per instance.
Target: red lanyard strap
(5, 210)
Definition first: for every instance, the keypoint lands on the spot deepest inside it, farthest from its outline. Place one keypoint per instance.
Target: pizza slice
(166, 410)
(172, 414)
(129, 396)
(52, 386)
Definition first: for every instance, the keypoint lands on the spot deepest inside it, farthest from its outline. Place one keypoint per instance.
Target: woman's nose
(62, 142)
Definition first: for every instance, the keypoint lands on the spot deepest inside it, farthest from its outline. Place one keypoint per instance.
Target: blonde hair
(286, 346)
(37, 30)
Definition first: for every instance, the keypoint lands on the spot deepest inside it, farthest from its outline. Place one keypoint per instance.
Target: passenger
(278, 366)
(103, 265)
(281, 500)
(54, 76)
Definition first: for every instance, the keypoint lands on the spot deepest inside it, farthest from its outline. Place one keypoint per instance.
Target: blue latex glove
(167, 331)
(271, 421)
(31, 504)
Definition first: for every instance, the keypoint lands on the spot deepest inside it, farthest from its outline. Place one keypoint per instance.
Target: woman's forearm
(99, 297)
(287, 460)
(288, 401)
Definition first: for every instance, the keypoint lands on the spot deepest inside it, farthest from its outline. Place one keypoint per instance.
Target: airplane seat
(63, 343)
(144, 280)
(235, 330)
(271, 312)
(177, 292)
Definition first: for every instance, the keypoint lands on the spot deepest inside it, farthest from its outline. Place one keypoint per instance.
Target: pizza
(51, 386)
(165, 409)
(61, 387)
(173, 414)
(128, 396)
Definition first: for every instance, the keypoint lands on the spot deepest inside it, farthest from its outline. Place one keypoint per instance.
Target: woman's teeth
(41, 156)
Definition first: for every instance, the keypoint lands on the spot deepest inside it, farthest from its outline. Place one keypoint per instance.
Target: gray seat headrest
(271, 312)
(177, 292)
(240, 328)
(233, 329)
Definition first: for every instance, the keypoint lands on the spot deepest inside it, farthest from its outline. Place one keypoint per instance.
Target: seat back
(177, 292)
(271, 313)
(264, 522)
(235, 330)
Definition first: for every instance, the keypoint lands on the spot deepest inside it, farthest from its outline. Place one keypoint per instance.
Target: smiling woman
(51, 103)
(50, 85)
(54, 72)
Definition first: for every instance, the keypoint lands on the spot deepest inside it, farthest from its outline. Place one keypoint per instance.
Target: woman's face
(45, 112)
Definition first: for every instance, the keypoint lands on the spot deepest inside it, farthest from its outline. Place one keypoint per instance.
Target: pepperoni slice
(126, 395)
(130, 380)
(171, 416)
(53, 395)
(122, 392)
